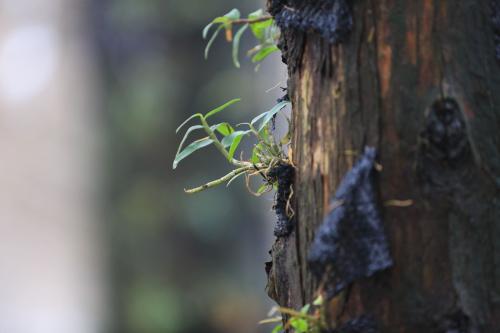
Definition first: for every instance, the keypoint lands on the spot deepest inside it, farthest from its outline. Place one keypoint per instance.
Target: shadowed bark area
(419, 81)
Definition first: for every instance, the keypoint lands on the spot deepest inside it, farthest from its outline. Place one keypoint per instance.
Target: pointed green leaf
(228, 140)
(299, 324)
(224, 129)
(264, 134)
(255, 157)
(236, 44)
(221, 19)
(265, 117)
(242, 124)
(277, 329)
(206, 29)
(212, 39)
(318, 301)
(233, 14)
(233, 141)
(271, 113)
(305, 309)
(259, 117)
(222, 107)
(190, 129)
(256, 14)
(234, 145)
(286, 138)
(259, 28)
(198, 144)
(199, 115)
(263, 53)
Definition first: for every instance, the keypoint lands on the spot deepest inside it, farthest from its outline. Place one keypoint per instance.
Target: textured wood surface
(377, 89)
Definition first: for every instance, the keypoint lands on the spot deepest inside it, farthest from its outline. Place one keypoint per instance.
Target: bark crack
(377, 72)
(360, 82)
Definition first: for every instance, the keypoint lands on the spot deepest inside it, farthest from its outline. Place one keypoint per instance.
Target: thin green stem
(220, 146)
(252, 21)
(220, 180)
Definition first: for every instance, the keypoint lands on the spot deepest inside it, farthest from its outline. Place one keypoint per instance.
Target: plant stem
(250, 21)
(220, 146)
(220, 180)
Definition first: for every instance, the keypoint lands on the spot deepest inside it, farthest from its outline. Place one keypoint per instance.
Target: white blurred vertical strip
(50, 250)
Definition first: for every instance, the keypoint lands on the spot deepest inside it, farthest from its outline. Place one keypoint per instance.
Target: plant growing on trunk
(267, 152)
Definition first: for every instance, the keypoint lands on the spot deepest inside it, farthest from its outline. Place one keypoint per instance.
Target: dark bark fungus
(444, 147)
(351, 244)
(282, 174)
(495, 20)
(285, 97)
(332, 19)
(445, 247)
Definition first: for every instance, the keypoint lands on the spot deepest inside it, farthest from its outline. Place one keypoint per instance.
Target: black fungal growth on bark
(332, 19)
(495, 20)
(351, 244)
(285, 97)
(444, 148)
(283, 174)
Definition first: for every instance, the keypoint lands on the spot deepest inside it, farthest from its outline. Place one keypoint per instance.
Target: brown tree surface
(419, 81)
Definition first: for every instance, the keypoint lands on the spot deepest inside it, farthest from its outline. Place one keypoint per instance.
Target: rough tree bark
(408, 72)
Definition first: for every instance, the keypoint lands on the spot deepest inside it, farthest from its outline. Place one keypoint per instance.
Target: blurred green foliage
(178, 263)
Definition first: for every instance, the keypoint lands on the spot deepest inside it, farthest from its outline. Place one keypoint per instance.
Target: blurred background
(96, 234)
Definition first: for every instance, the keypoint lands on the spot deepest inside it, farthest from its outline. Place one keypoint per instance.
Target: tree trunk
(419, 81)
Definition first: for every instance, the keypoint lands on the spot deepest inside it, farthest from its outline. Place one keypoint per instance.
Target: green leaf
(270, 114)
(264, 134)
(277, 329)
(285, 139)
(236, 44)
(259, 117)
(226, 19)
(305, 309)
(190, 129)
(233, 141)
(206, 29)
(199, 115)
(299, 324)
(234, 146)
(255, 158)
(233, 14)
(259, 28)
(263, 53)
(221, 20)
(265, 117)
(222, 107)
(318, 301)
(198, 144)
(212, 39)
(256, 14)
(223, 128)
(228, 140)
